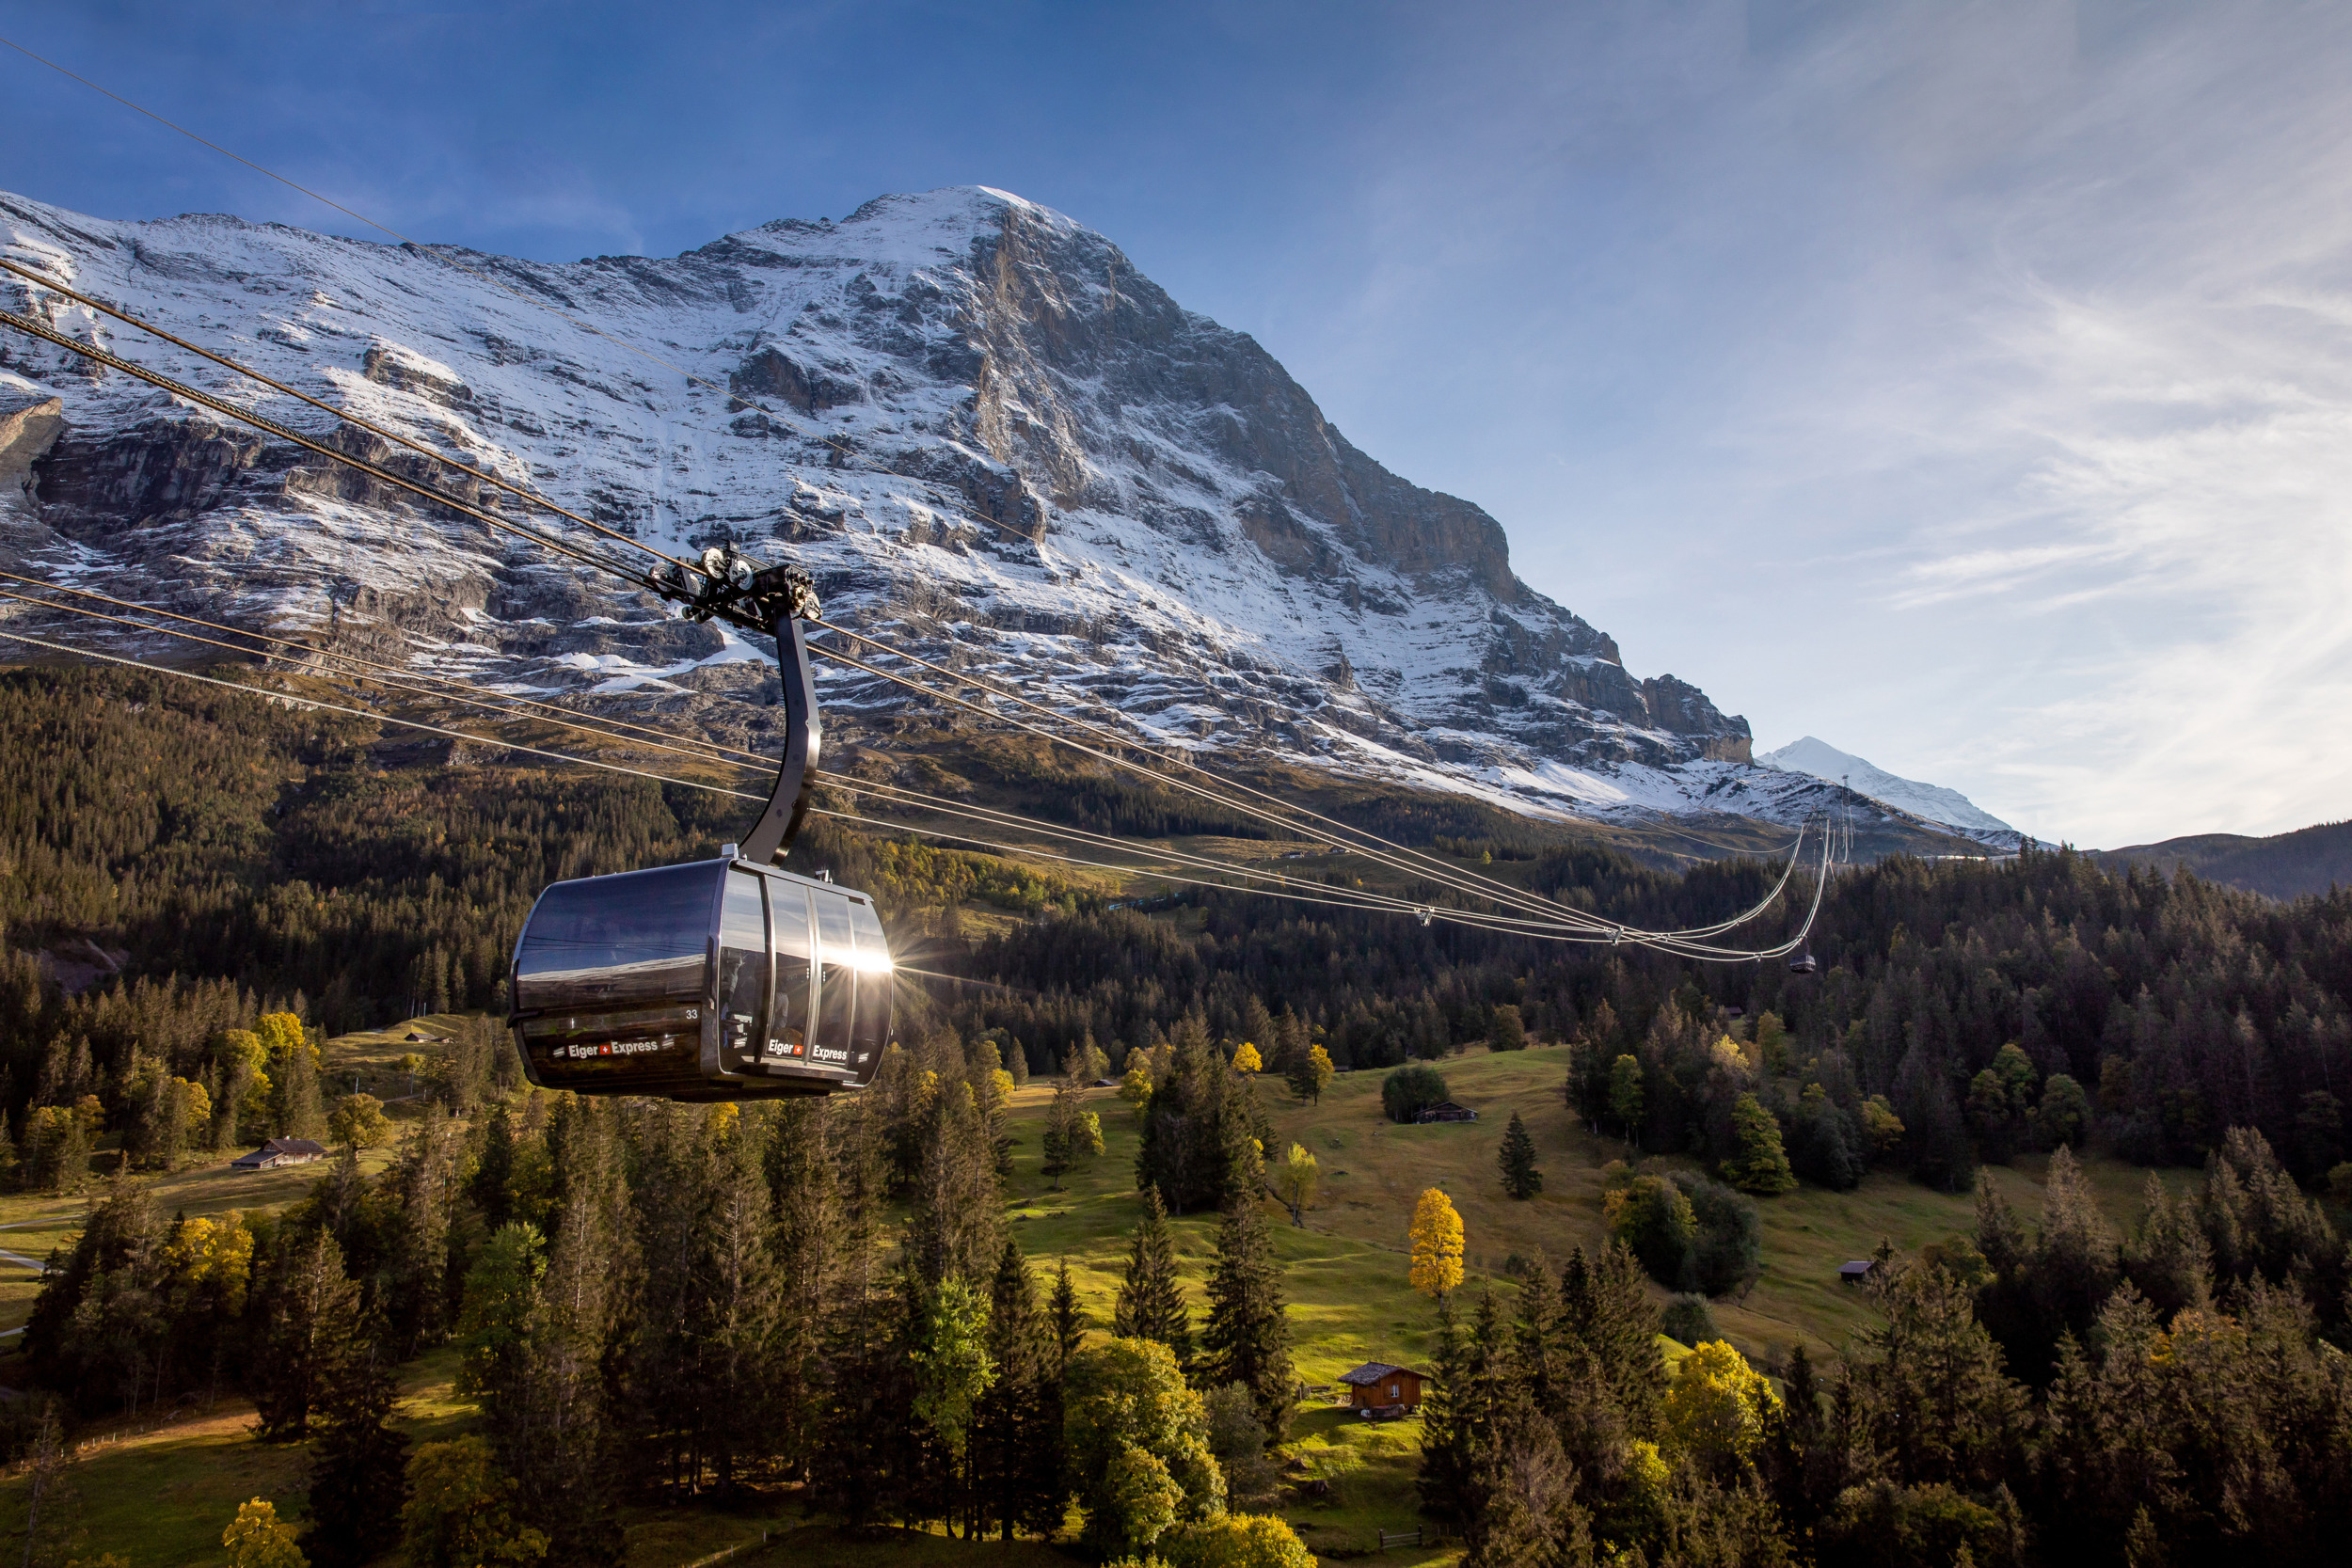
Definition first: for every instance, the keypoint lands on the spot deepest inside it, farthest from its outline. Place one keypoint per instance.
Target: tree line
(648, 1298)
(2047, 1394)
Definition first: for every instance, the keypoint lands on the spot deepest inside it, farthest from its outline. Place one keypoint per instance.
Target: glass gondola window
(742, 968)
(837, 981)
(796, 954)
(874, 981)
(641, 935)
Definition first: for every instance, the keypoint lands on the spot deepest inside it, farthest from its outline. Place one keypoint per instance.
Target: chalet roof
(286, 1146)
(1859, 1265)
(1373, 1372)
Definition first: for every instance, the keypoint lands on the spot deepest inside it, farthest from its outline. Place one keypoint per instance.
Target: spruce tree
(490, 1185)
(561, 1439)
(1541, 1349)
(302, 1112)
(1247, 1339)
(2169, 1258)
(810, 1237)
(1150, 1302)
(1069, 1318)
(1016, 1441)
(424, 1182)
(309, 1305)
(357, 1462)
(1521, 1178)
(1202, 1127)
(954, 1229)
(1610, 1331)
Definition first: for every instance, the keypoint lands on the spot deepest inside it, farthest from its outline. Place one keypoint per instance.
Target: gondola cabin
(716, 980)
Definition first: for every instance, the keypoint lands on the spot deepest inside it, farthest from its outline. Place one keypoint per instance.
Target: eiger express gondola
(719, 979)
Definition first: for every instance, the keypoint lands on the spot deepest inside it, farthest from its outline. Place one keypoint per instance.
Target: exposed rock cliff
(992, 438)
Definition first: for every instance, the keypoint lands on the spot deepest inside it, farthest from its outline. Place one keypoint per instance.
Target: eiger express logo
(829, 1054)
(612, 1048)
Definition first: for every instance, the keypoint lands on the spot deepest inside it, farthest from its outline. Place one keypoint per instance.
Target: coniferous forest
(646, 1299)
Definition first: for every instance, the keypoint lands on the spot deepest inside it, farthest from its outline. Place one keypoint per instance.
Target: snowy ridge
(1947, 807)
(990, 438)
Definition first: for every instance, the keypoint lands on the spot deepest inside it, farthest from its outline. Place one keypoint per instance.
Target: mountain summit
(1933, 802)
(992, 440)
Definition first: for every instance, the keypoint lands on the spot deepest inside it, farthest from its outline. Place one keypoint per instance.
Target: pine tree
(424, 1182)
(2169, 1258)
(735, 1318)
(1610, 1332)
(301, 1109)
(1150, 1302)
(1017, 1440)
(1521, 1178)
(491, 1184)
(308, 1308)
(558, 1439)
(1247, 1339)
(1069, 1318)
(1541, 1344)
(53, 1499)
(954, 1231)
(810, 1236)
(357, 1462)
(1203, 1132)
(1928, 1390)
(1625, 1096)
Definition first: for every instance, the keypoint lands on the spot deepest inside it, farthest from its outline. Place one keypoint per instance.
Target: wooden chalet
(279, 1151)
(1378, 1385)
(1445, 1109)
(1858, 1272)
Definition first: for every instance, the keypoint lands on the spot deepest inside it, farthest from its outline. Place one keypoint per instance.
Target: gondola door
(743, 973)
(788, 1021)
(837, 980)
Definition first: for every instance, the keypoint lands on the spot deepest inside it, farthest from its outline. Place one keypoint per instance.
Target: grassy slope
(161, 1497)
(1806, 1233)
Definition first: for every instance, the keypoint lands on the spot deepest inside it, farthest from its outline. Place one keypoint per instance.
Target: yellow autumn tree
(1436, 1244)
(1716, 1411)
(256, 1538)
(1246, 1059)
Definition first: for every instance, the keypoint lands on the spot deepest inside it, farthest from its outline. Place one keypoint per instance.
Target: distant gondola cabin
(1377, 1385)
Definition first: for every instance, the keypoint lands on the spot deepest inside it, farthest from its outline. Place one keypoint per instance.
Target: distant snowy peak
(1931, 801)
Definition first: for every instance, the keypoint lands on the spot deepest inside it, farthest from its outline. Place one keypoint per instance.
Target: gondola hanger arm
(729, 586)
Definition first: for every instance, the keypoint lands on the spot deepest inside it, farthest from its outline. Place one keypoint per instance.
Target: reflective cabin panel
(871, 1031)
(643, 935)
(837, 980)
(742, 971)
(796, 950)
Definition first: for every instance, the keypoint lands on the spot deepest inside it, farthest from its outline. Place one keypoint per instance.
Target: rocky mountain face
(991, 439)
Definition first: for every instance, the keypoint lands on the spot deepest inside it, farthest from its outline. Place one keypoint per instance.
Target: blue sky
(1969, 384)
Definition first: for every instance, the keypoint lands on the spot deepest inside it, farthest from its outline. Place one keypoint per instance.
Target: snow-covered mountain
(989, 438)
(1947, 807)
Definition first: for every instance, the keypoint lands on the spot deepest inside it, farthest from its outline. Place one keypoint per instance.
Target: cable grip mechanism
(728, 586)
